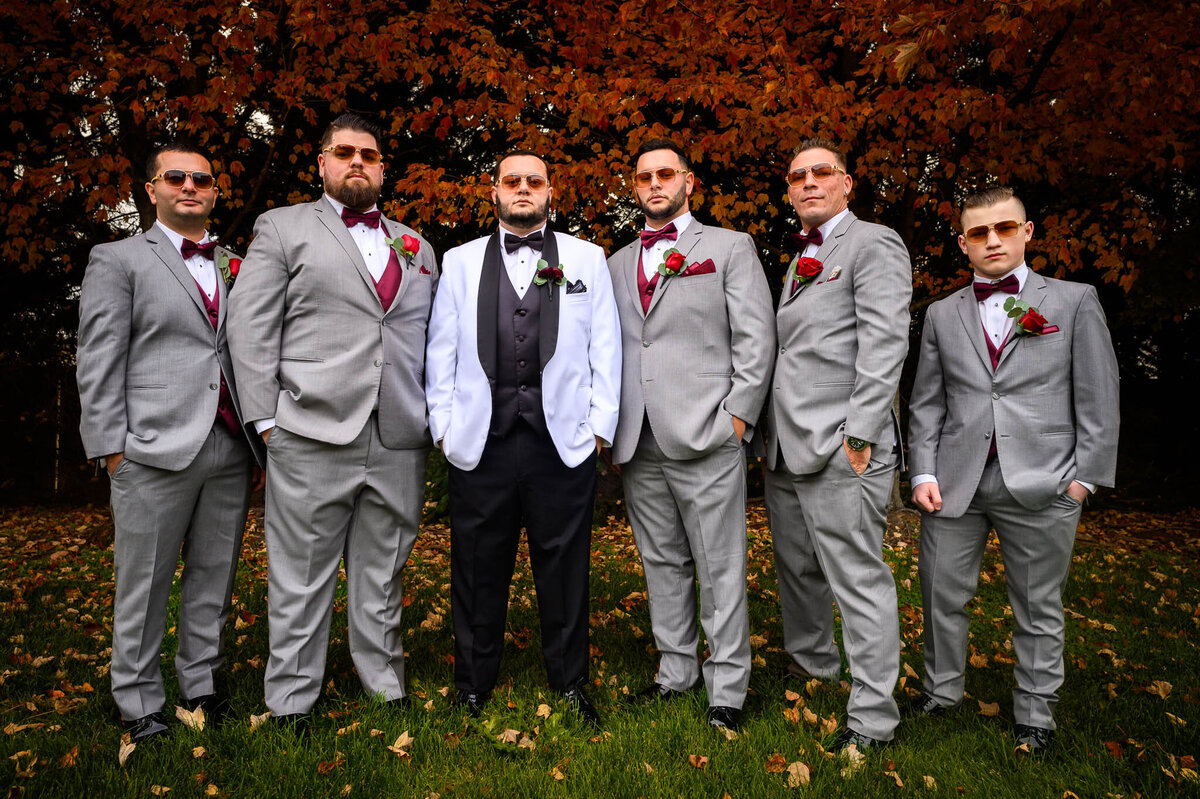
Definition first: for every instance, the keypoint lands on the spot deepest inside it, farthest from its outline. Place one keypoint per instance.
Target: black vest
(518, 387)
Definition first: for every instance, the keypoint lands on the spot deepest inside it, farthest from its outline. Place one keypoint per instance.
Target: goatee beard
(532, 218)
(672, 208)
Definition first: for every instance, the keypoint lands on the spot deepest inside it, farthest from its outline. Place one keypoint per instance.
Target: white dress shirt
(521, 266)
(203, 270)
(826, 228)
(371, 242)
(653, 256)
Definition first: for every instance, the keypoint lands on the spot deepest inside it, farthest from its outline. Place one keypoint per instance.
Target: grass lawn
(1129, 714)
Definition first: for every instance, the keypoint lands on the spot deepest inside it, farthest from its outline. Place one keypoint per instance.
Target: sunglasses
(664, 174)
(345, 152)
(1005, 230)
(175, 178)
(796, 176)
(512, 182)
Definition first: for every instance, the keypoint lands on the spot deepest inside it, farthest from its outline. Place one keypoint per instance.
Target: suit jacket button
(987, 435)
(645, 343)
(995, 395)
(214, 386)
(378, 362)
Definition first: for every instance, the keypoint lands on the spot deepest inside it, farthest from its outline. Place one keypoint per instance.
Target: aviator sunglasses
(175, 178)
(1005, 230)
(345, 152)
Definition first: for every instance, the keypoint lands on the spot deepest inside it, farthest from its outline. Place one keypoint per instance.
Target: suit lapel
(222, 289)
(968, 313)
(172, 259)
(405, 272)
(629, 269)
(334, 224)
(548, 317)
(686, 242)
(824, 253)
(485, 306)
(1034, 293)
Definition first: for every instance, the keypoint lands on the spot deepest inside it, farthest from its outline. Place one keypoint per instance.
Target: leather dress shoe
(215, 706)
(847, 737)
(400, 703)
(148, 728)
(1038, 739)
(925, 705)
(578, 701)
(656, 692)
(727, 717)
(471, 701)
(298, 723)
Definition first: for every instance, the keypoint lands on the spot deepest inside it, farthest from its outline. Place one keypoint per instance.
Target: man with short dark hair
(1014, 423)
(833, 440)
(697, 342)
(159, 405)
(327, 329)
(523, 376)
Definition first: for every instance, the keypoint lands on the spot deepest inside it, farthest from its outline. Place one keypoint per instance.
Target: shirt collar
(681, 223)
(177, 238)
(829, 225)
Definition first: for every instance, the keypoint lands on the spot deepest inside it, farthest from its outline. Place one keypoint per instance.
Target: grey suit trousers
(827, 528)
(359, 501)
(689, 523)
(156, 512)
(1036, 547)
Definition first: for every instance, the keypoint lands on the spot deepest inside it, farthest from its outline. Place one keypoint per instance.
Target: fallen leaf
(192, 719)
(543, 711)
(1178, 722)
(647, 766)
(346, 789)
(68, 760)
(791, 696)
(159, 790)
(402, 745)
(798, 774)
(978, 660)
(127, 747)
(258, 721)
(198, 751)
(908, 670)
(895, 776)
(348, 728)
(526, 743)
(810, 717)
(1114, 748)
(930, 783)
(1069, 795)
(509, 736)
(557, 774)
(829, 726)
(376, 733)
(1160, 688)
(14, 728)
(428, 706)
(776, 764)
(698, 761)
(792, 714)
(811, 686)
(988, 709)
(326, 766)
(211, 789)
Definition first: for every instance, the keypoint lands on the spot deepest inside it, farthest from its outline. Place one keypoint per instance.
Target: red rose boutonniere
(406, 247)
(229, 267)
(549, 274)
(672, 264)
(806, 269)
(1029, 321)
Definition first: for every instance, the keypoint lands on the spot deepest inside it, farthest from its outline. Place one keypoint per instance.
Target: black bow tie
(352, 218)
(190, 248)
(1009, 285)
(804, 239)
(533, 241)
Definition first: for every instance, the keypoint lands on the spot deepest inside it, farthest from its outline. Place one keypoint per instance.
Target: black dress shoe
(578, 701)
(925, 705)
(298, 723)
(471, 701)
(215, 706)
(147, 728)
(728, 718)
(400, 703)
(847, 737)
(656, 692)
(1038, 739)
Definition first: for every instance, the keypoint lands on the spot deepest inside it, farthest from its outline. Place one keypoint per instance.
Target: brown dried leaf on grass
(895, 776)
(1160, 688)
(798, 774)
(14, 728)
(326, 766)
(211, 789)
(791, 696)
(126, 749)
(509, 736)
(159, 790)
(68, 760)
(988, 709)
(930, 783)
(259, 720)
(403, 743)
(698, 761)
(348, 728)
(543, 711)
(198, 751)
(776, 764)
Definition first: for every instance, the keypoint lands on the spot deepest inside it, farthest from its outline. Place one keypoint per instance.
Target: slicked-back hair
(513, 154)
(989, 197)
(351, 121)
(820, 143)
(173, 147)
(651, 145)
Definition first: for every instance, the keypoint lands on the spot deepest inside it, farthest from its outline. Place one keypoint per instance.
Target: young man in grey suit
(327, 329)
(833, 441)
(1014, 422)
(524, 368)
(697, 342)
(159, 405)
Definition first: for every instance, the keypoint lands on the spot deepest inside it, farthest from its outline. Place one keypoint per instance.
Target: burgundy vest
(388, 283)
(645, 287)
(225, 410)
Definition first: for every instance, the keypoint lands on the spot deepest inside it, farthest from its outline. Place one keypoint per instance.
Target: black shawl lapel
(548, 318)
(489, 290)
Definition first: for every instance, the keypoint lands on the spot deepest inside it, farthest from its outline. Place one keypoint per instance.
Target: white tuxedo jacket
(581, 378)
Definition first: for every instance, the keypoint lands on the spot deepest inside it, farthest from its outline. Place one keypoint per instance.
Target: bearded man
(327, 329)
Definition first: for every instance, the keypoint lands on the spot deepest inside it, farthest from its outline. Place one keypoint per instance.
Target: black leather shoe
(400, 703)
(727, 717)
(215, 706)
(864, 743)
(656, 692)
(578, 701)
(147, 728)
(925, 705)
(298, 723)
(1038, 739)
(471, 701)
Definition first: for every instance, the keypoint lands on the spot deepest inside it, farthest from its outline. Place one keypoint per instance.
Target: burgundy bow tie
(352, 218)
(1009, 285)
(667, 231)
(804, 239)
(190, 248)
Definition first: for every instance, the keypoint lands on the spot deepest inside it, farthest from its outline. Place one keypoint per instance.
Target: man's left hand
(858, 458)
(258, 478)
(599, 445)
(1077, 492)
(739, 427)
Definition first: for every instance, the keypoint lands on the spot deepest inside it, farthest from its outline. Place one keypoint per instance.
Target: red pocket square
(706, 268)
(423, 271)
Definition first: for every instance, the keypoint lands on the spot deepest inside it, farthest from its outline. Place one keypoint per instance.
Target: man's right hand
(266, 434)
(927, 497)
(111, 462)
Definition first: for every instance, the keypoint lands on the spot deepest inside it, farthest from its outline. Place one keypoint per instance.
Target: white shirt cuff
(263, 425)
(922, 478)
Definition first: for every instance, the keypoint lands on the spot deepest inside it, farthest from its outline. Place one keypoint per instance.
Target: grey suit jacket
(149, 363)
(701, 354)
(842, 341)
(1052, 401)
(313, 347)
